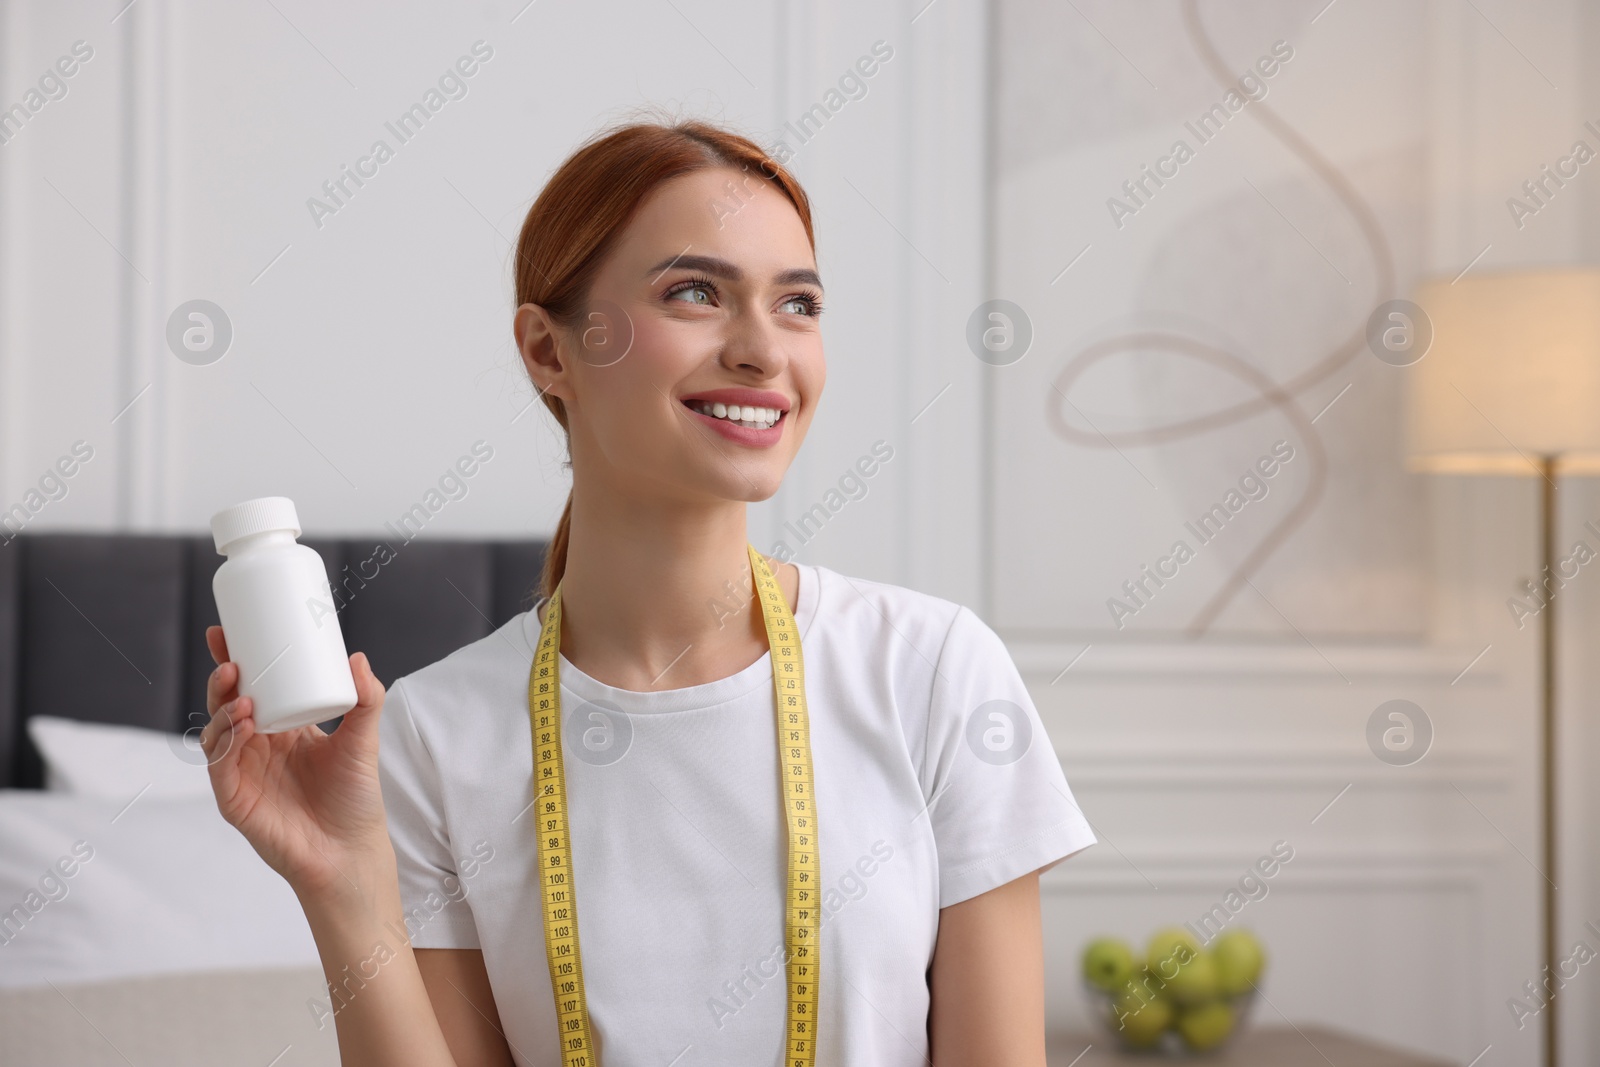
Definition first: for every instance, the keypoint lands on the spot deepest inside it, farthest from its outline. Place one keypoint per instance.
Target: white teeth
(756, 418)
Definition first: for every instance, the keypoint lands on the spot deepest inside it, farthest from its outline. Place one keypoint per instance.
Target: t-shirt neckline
(694, 697)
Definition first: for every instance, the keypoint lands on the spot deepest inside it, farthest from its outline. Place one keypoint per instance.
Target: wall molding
(1256, 662)
(922, 135)
(1458, 868)
(1294, 763)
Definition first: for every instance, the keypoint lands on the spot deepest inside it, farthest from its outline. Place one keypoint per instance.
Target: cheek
(810, 372)
(661, 357)
(637, 390)
(661, 344)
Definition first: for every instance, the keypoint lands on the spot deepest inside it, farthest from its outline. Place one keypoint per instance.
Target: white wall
(371, 352)
(1411, 911)
(373, 349)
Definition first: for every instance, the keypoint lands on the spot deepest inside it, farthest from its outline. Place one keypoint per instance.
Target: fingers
(225, 718)
(369, 691)
(217, 643)
(222, 686)
(223, 740)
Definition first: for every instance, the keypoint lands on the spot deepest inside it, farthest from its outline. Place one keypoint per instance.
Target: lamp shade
(1513, 374)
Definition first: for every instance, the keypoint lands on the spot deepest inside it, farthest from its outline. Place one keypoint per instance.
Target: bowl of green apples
(1180, 997)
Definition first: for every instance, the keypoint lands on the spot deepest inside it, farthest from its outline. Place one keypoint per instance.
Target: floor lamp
(1511, 386)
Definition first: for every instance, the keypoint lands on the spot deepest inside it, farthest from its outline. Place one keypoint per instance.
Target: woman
(668, 301)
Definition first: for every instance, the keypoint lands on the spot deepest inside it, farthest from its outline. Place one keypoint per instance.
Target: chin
(754, 487)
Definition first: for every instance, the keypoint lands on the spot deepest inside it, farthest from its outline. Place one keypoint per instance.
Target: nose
(752, 344)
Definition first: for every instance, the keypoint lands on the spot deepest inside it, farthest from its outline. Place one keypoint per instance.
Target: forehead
(722, 211)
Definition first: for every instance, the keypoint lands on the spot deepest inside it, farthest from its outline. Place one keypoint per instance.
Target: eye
(801, 304)
(699, 291)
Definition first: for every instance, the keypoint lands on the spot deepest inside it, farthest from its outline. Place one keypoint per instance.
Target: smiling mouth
(752, 417)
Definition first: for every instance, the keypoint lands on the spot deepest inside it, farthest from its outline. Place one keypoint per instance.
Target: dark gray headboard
(111, 627)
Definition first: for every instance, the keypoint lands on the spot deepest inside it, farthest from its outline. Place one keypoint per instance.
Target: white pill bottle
(278, 617)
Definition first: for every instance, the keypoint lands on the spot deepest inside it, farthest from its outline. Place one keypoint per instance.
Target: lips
(761, 398)
(753, 417)
(756, 435)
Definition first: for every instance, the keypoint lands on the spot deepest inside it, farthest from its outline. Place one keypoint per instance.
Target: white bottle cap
(260, 515)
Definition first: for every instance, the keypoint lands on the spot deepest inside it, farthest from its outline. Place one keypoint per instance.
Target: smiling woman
(679, 791)
(682, 278)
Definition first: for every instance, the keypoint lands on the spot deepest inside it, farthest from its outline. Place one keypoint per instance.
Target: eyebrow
(721, 268)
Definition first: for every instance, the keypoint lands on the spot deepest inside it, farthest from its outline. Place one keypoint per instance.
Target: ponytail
(555, 554)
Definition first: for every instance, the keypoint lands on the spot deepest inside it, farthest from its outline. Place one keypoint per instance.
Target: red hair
(584, 207)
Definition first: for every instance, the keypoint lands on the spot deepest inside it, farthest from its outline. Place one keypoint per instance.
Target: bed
(136, 926)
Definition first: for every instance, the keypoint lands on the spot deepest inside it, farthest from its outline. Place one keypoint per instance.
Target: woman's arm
(382, 1009)
(987, 980)
(458, 984)
(311, 806)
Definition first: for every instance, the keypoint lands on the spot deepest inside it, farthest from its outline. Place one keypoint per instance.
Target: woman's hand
(307, 801)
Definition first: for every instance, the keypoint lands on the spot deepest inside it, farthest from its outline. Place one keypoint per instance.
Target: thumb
(369, 695)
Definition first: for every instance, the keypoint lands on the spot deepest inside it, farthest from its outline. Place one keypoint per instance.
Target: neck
(657, 594)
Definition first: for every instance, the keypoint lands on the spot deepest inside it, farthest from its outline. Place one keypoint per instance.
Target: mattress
(263, 1017)
(149, 933)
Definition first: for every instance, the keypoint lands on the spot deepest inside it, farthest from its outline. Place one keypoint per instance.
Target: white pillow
(94, 889)
(115, 762)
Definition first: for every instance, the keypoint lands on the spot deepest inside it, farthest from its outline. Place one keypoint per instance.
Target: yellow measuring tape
(802, 920)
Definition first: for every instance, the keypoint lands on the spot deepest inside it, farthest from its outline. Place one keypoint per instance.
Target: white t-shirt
(678, 838)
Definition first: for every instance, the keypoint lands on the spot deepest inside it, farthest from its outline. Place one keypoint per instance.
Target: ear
(541, 343)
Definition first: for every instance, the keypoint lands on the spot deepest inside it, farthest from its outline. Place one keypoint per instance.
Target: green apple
(1142, 982)
(1108, 964)
(1240, 960)
(1169, 948)
(1196, 981)
(1140, 1019)
(1206, 1027)
(1142, 986)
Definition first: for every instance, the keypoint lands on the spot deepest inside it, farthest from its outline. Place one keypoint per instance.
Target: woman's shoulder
(871, 613)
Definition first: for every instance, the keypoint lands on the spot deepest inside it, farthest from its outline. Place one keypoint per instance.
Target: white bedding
(98, 759)
(149, 933)
(167, 887)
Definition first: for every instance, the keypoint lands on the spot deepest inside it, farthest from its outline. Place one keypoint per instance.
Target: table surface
(1267, 1046)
